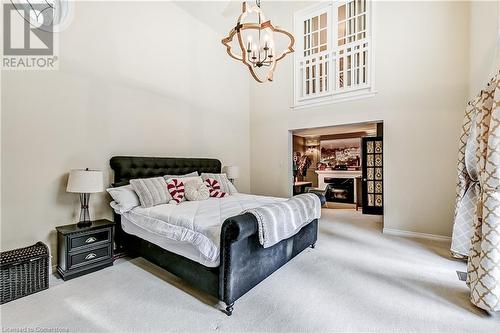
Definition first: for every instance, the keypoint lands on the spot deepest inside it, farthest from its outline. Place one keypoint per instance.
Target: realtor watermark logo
(29, 39)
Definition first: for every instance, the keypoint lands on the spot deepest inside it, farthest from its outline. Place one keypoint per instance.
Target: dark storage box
(24, 271)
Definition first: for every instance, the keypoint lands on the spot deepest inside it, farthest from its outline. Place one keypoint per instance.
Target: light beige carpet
(356, 280)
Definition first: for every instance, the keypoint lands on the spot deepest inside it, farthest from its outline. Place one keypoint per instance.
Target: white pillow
(195, 190)
(221, 178)
(191, 174)
(183, 179)
(151, 191)
(124, 198)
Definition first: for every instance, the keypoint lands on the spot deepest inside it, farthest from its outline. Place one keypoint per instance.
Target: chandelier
(256, 42)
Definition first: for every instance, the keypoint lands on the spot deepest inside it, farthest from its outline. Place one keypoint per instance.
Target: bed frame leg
(313, 245)
(229, 309)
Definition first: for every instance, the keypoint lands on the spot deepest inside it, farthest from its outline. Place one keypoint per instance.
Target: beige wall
(128, 84)
(421, 75)
(484, 43)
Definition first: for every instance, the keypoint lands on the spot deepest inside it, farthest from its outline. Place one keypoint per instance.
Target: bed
(242, 262)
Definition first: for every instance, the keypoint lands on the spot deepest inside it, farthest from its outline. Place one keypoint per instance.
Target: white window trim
(338, 96)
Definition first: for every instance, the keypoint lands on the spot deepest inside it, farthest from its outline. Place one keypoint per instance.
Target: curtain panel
(483, 267)
(476, 229)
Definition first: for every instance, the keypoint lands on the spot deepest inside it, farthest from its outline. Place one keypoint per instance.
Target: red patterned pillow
(176, 189)
(214, 188)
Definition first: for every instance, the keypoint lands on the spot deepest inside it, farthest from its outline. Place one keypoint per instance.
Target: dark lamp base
(84, 212)
(84, 224)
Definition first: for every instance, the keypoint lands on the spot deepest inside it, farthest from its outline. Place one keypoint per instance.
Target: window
(333, 56)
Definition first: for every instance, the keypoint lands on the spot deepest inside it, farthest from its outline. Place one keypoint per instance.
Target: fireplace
(339, 189)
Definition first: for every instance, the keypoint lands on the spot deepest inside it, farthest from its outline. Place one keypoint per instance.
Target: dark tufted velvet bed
(243, 261)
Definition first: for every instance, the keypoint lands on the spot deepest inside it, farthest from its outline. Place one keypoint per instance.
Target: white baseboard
(413, 234)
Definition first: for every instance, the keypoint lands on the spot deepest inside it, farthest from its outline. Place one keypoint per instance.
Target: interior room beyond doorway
(344, 162)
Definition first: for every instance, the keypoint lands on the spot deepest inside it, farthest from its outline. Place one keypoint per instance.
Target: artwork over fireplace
(341, 153)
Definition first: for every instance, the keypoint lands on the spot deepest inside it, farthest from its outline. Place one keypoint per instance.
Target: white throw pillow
(195, 190)
(151, 191)
(124, 198)
(191, 174)
(184, 179)
(221, 178)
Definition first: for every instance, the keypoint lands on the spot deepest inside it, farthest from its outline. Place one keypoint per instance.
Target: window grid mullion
(352, 69)
(334, 77)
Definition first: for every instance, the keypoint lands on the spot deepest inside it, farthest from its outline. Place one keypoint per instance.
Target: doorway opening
(343, 162)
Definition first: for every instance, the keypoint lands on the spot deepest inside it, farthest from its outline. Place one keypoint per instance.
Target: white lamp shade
(85, 181)
(232, 172)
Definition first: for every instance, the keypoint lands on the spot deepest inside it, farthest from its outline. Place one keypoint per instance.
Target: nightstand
(84, 250)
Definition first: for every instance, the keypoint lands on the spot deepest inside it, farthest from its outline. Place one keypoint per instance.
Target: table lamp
(232, 173)
(85, 182)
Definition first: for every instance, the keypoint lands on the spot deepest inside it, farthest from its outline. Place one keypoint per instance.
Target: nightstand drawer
(86, 249)
(90, 256)
(89, 239)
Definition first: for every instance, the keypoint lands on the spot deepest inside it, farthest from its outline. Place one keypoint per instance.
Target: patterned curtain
(483, 267)
(476, 229)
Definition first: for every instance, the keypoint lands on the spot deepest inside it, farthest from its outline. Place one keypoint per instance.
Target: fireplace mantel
(335, 174)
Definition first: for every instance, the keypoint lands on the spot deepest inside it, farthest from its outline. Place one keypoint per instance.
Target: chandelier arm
(244, 55)
(289, 48)
(271, 71)
(226, 42)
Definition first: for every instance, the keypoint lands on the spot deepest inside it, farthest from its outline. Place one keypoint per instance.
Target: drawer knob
(90, 256)
(90, 240)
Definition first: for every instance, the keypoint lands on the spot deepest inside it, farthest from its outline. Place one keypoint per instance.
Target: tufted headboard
(130, 167)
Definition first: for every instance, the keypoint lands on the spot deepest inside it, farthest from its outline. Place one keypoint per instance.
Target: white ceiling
(218, 15)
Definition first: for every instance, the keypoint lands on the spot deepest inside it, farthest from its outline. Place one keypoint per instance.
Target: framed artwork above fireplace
(341, 153)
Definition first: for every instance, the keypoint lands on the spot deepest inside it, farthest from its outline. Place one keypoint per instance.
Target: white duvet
(195, 222)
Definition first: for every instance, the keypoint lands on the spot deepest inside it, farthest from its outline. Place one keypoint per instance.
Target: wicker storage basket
(24, 271)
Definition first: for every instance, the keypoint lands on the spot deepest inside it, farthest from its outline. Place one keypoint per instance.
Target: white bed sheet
(192, 228)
